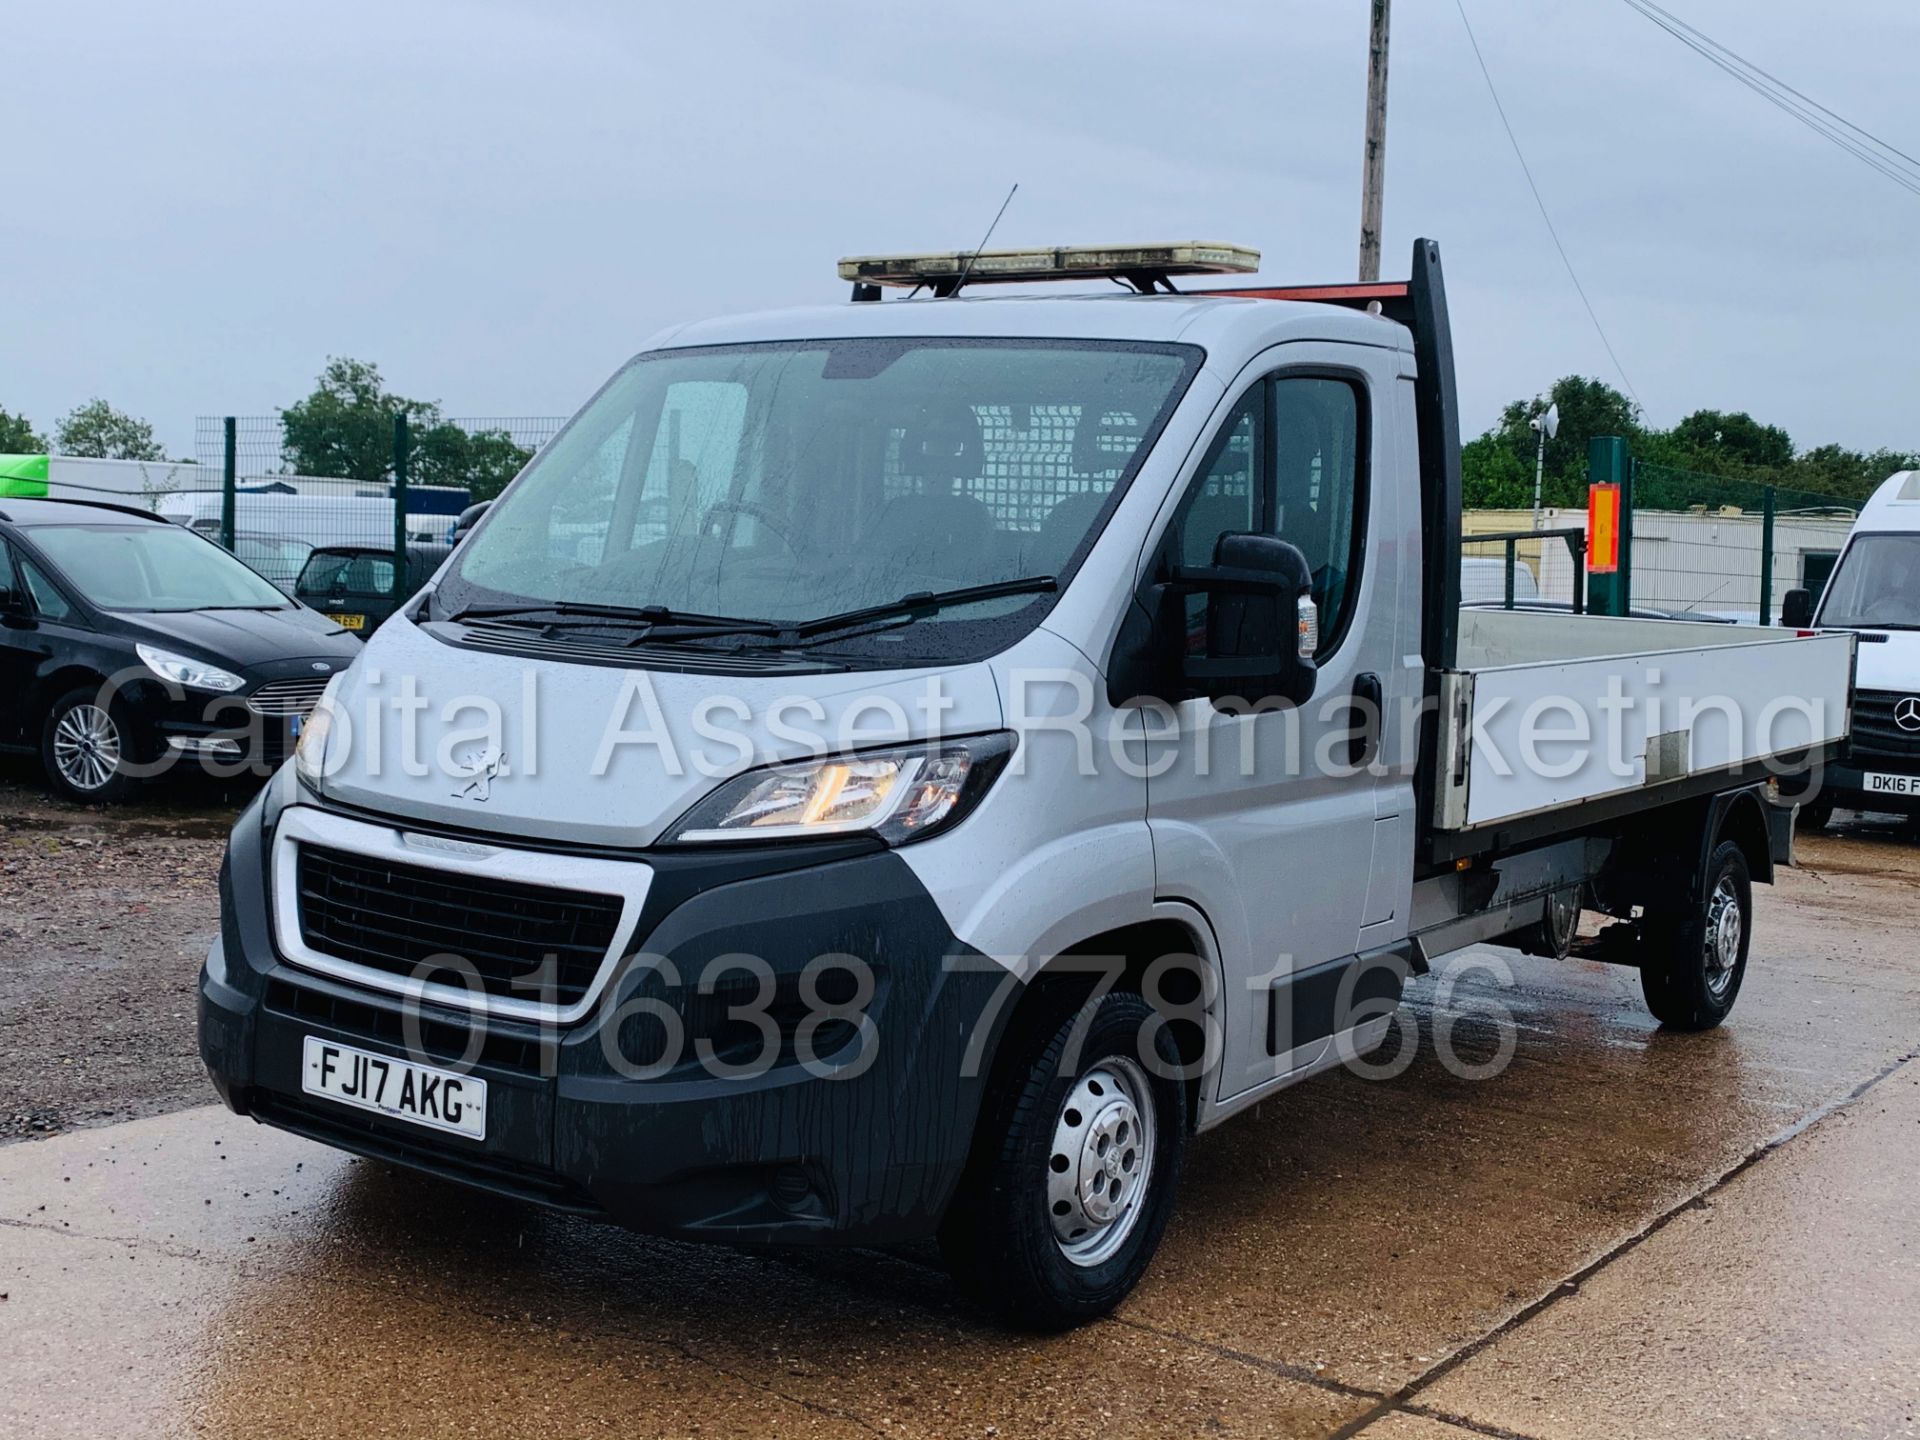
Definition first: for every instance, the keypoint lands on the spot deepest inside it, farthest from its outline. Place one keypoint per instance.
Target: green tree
(1492, 476)
(1710, 457)
(1735, 443)
(345, 428)
(100, 432)
(1504, 465)
(18, 437)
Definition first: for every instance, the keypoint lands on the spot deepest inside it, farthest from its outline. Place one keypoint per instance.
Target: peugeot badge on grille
(480, 766)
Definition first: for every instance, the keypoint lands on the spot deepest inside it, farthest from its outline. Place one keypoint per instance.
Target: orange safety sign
(1603, 529)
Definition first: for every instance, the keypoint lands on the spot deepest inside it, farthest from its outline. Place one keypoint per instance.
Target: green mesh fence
(379, 503)
(1700, 542)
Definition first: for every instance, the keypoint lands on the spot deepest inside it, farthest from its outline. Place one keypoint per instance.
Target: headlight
(310, 750)
(899, 795)
(194, 674)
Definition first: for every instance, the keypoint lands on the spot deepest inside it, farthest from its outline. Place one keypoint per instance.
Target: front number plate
(1893, 784)
(420, 1094)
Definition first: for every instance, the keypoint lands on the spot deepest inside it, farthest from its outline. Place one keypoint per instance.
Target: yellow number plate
(352, 622)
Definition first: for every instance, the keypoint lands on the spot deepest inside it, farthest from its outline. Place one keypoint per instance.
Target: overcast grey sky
(498, 202)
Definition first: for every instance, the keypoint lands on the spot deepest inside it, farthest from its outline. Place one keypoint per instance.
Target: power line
(1527, 171)
(1880, 155)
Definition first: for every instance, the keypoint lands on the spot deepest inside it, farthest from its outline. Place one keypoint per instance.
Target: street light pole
(1547, 423)
(1373, 177)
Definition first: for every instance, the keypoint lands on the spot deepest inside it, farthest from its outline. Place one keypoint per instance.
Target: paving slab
(1787, 1303)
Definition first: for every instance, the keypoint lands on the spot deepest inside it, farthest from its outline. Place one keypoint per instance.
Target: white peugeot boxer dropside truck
(900, 769)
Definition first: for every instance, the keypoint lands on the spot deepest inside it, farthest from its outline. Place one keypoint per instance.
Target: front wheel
(85, 748)
(1693, 963)
(1074, 1168)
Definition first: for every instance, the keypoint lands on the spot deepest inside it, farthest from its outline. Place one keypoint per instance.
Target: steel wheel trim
(1101, 1162)
(86, 747)
(1724, 932)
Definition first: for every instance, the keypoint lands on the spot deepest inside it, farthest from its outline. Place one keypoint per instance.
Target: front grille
(407, 920)
(437, 1041)
(1877, 736)
(288, 697)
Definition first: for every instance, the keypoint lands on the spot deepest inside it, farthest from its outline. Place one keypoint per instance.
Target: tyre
(1074, 1167)
(85, 748)
(1693, 964)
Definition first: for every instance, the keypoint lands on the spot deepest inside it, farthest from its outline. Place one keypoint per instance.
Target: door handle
(1363, 740)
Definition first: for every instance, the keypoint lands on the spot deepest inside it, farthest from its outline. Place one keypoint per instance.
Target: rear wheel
(85, 748)
(1693, 963)
(1074, 1168)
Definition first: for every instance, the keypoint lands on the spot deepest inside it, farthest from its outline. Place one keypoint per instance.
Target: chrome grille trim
(288, 697)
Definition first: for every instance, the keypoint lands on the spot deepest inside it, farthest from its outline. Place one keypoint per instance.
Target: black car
(128, 643)
(353, 584)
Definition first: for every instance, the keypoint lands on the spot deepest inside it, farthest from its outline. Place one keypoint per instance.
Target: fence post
(1766, 555)
(1608, 463)
(401, 443)
(229, 472)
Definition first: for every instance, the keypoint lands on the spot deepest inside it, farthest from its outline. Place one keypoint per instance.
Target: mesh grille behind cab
(394, 918)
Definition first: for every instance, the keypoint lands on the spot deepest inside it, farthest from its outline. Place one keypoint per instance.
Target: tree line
(1710, 457)
(344, 428)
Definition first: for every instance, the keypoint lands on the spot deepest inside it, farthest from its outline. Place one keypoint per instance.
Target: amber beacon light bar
(1145, 267)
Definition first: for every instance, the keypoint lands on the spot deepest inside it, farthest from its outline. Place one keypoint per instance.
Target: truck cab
(899, 769)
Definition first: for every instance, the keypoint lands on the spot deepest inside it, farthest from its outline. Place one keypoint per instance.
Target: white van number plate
(437, 1099)
(1893, 784)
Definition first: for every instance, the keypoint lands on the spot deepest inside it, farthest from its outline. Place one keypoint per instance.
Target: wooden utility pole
(1374, 178)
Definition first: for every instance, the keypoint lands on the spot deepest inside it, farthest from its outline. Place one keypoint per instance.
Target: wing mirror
(1796, 609)
(1259, 628)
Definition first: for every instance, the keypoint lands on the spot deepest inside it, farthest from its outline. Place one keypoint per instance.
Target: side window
(1226, 494)
(7, 581)
(1317, 494)
(1286, 463)
(47, 600)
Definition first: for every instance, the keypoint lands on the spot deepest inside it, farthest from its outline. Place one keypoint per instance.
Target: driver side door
(1261, 817)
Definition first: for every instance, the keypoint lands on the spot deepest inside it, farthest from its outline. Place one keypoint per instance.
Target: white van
(315, 519)
(1874, 592)
(899, 768)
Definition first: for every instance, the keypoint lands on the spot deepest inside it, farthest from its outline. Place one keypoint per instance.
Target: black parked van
(128, 643)
(353, 584)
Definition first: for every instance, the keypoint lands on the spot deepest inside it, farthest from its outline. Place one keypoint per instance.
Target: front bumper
(1846, 781)
(865, 1147)
(221, 734)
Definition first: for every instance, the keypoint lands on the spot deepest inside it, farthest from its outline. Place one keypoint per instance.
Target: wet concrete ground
(1620, 1233)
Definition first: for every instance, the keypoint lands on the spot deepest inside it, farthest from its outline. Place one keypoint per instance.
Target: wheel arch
(1064, 981)
(50, 687)
(1742, 818)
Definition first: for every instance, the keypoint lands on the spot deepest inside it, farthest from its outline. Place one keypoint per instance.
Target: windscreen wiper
(917, 606)
(659, 622)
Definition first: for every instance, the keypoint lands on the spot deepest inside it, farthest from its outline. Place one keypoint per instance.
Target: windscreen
(346, 572)
(791, 482)
(1876, 584)
(152, 567)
